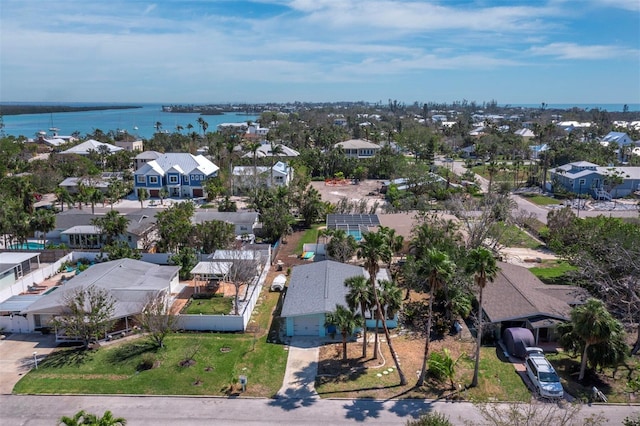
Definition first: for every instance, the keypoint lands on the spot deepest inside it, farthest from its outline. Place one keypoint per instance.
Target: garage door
(198, 192)
(306, 326)
(14, 324)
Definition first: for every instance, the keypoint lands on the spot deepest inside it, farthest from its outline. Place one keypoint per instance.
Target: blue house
(315, 290)
(620, 138)
(583, 177)
(181, 174)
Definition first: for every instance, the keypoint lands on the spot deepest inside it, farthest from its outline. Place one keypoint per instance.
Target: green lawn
(213, 306)
(512, 236)
(541, 200)
(218, 360)
(553, 271)
(114, 369)
(613, 382)
(310, 236)
(497, 379)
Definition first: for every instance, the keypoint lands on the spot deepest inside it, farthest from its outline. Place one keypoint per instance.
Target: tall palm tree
(390, 300)
(43, 221)
(276, 150)
(439, 269)
(346, 321)
(253, 148)
(360, 296)
(373, 249)
(395, 242)
(482, 264)
(111, 225)
(592, 324)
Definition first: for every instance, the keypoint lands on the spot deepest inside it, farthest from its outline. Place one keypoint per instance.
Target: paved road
(31, 410)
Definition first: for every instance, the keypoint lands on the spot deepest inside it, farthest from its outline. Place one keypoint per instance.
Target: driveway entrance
(17, 356)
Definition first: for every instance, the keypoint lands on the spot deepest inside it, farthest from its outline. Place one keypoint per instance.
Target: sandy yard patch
(368, 189)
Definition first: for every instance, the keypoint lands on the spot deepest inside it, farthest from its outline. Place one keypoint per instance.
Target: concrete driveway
(302, 368)
(16, 356)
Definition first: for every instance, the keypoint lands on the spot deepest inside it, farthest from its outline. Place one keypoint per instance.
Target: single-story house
(358, 148)
(524, 133)
(315, 289)
(71, 184)
(74, 228)
(243, 222)
(517, 298)
(180, 174)
(92, 145)
(266, 150)
(130, 282)
(583, 177)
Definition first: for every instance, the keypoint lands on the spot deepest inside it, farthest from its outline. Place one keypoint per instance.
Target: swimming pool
(30, 245)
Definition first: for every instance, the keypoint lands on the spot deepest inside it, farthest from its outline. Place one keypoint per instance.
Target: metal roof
(18, 303)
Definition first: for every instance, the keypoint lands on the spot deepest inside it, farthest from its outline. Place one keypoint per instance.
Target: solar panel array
(352, 221)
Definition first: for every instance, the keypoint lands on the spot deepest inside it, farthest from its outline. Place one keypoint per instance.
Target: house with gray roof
(243, 222)
(92, 145)
(130, 282)
(315, 290)
(74, 229)
(358, 148)
(517, 298)
(583, 177)
(182, 175)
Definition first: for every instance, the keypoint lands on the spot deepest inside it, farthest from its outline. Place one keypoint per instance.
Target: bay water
(140, 122)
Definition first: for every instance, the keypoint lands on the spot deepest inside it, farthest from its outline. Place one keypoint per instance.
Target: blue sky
(513, 51)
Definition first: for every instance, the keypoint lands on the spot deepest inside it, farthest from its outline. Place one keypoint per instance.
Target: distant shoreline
(48, 109)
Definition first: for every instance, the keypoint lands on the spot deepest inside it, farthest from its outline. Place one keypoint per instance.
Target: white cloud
(569, 51)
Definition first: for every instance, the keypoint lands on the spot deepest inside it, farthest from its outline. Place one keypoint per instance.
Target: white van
(542, 375)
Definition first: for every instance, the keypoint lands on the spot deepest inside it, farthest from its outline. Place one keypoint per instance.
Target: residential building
(517, 298)
(358, 148)
(243, 222)
(131, 146)
(92, 145)
(180, 174)
(247, 177)
(144, 157)
(315, 290)
(583, 177)
(130, 282)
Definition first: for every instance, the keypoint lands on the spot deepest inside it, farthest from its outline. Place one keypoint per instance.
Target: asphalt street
(30, 410)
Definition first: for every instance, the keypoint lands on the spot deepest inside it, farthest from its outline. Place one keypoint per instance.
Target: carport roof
(18, 303)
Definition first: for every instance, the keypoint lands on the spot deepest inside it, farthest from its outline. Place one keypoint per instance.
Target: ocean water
(136, 121)
(607, 107)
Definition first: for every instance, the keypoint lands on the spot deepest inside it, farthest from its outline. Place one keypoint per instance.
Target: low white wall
(316, 248)
(36, 276)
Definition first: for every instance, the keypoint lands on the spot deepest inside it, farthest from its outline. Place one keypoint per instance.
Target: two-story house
(248, 177)
(181, 174)
(359, 148)
(583, 177)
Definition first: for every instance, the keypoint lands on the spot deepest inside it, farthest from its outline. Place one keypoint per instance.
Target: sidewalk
(302, 368)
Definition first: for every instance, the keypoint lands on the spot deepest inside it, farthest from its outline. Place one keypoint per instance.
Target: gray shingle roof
(516, 293)
(129, 281)
(318, 287)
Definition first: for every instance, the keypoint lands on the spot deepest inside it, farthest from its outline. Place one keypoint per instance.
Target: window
(173, 179)
(582, 182)
(153, 179)
(140, 179)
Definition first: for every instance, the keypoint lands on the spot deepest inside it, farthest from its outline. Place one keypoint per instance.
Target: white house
(247, 177)
(359, 148)
(91, 145)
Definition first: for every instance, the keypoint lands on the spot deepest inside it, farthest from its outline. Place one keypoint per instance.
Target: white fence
(227, 322)
(36, 276)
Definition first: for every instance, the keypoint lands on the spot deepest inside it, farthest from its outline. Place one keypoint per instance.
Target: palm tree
(84, 418)
(374, 248)
(391, 301)
(482, 264)
(143, 195)
(253, 148)
(62, 196)
(111, 225)
(276, 150)
(346, 321)
(95, 196)
(43, 221)
(360, 296)
(592, 324)
(439, 269)
(396, 242)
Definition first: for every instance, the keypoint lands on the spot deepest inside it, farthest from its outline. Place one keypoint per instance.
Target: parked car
(542, 374)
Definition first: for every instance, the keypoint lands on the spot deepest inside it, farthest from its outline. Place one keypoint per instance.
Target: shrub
(147, 362)
(430, 419)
